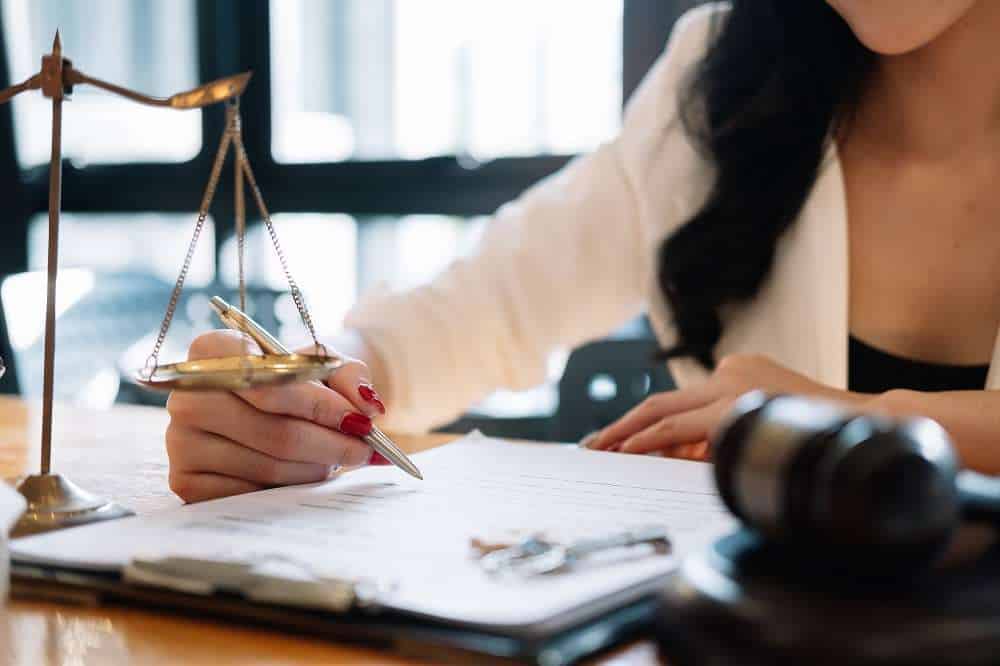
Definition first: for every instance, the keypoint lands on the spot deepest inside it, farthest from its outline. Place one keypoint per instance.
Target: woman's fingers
(193, 451)
(227, 443)
(309, 401)
(274, 435)
(353, 381)
(312, 402)
(687, 428)
(220, 343)
(651, 411)
(697, 451)
(200, 486)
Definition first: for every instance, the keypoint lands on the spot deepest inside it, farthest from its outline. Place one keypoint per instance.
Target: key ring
(536, 556)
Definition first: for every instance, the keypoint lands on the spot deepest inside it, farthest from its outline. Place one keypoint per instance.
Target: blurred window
(408, 79)
(147, 45)
(321, 249)
(153, 243)
(336, 257)
(396, 127)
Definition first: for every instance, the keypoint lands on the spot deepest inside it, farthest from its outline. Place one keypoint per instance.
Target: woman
(802, 190)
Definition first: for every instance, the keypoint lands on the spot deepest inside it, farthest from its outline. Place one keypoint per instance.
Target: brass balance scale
(53, 500)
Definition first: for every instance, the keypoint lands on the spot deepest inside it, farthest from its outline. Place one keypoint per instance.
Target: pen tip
(410, 469)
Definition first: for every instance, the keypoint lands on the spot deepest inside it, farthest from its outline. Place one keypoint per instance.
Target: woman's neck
(942, 99)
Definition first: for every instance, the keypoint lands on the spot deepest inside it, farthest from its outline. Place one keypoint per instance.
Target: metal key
(535, 556)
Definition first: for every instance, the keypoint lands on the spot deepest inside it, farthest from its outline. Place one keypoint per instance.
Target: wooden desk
(119, 453)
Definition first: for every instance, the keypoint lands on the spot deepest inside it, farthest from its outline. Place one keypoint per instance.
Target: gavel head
(857, 490)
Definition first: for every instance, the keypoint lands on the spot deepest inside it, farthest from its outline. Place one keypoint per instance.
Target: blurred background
(383, 134)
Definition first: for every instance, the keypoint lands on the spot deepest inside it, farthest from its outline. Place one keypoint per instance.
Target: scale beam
(58, 76)
(206, 94)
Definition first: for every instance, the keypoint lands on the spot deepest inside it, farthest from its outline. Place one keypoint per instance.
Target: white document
(12, 505)
(413, 537)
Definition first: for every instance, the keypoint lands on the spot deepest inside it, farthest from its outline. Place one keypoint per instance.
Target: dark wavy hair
(779, 78)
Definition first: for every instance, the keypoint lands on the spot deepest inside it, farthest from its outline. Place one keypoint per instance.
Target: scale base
(55, 502)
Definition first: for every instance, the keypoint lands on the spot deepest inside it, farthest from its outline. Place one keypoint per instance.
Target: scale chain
(266, 216)
(231, 136)
(233, 120)
(206, 201)
(235, 126)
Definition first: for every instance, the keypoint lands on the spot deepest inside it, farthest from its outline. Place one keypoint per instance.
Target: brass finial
(57, 43)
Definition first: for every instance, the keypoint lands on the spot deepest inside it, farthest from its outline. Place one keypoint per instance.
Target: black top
(872, 370)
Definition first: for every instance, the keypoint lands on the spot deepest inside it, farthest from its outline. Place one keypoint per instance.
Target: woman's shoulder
(655, 100)
(667, 171)
(698, 22)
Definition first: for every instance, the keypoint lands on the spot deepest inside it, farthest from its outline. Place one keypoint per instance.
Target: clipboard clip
(270, 579)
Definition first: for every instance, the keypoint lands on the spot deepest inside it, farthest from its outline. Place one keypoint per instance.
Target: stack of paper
(413, 537)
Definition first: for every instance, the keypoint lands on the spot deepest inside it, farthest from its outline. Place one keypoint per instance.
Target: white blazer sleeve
(566, 262)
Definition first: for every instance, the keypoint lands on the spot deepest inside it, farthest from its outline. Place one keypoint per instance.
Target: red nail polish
(378, 459)
(368, 394)
(355, 424)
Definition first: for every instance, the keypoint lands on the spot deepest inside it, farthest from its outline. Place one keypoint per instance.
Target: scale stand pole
(52, 85)
(54, 501)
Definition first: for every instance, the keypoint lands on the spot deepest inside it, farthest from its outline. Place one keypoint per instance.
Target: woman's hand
(223, 443)
(680, 423)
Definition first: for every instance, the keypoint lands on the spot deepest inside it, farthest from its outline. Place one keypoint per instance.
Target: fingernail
(589, 440)
(378, 459)
(357, 425)
(369, 394)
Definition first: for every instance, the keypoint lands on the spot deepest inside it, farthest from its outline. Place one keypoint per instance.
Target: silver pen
(234, 318)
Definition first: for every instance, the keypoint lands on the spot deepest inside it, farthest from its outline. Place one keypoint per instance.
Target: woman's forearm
(972, 418)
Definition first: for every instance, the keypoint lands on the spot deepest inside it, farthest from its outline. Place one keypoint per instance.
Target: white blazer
(575, 257)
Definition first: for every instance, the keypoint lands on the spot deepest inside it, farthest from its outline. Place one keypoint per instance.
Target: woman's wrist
(897, 402)
(851, 399)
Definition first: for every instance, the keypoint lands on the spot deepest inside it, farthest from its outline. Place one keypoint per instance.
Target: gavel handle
(979, 497)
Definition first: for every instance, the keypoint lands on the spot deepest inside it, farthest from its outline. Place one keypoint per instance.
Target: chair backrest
(98, 316)
(106, 325)
(602, 381)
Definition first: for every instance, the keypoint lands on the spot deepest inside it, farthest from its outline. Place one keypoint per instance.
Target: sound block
(743, 601)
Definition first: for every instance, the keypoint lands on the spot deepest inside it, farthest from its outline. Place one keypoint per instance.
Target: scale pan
(234, 373)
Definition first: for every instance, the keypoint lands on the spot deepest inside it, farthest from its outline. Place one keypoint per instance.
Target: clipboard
(565, 640)
(257, 558)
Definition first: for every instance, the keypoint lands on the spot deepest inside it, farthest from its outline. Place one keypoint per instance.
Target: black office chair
(602, 381)
(107, 331)
(99, 316)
